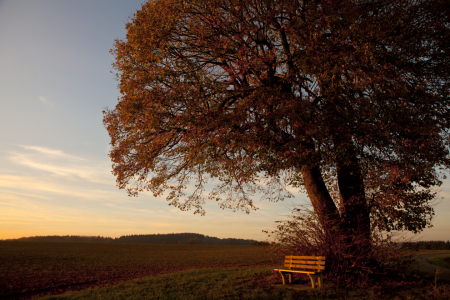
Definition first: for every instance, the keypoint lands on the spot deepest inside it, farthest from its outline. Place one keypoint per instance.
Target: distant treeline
(181, 238)
(65, 238)
(171, 238)
(427, 245)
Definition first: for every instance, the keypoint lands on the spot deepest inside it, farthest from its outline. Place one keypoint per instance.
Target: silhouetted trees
(192, 241)
(181, 238)
(171, 238)
(427, 245)
(67, 238)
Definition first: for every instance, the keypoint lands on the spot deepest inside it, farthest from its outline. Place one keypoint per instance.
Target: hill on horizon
(166, 238)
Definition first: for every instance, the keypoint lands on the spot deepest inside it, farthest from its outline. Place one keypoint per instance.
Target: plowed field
(29, 269)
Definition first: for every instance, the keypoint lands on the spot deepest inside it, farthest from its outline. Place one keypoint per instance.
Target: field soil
(30, 269)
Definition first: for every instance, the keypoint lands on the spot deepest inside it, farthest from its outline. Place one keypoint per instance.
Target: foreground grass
(246, 283)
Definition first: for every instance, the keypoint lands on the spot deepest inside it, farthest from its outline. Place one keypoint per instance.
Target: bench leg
(315, 277)
(313, 283)
(320, 279)
(283, 276)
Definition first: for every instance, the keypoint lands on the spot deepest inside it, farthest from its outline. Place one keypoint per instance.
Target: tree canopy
(347, 99)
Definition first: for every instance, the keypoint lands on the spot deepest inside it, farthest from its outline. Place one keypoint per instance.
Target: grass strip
(244, 283)
(235, 283)
(441, 261)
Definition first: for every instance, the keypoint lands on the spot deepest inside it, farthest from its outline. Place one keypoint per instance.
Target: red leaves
(239, 90)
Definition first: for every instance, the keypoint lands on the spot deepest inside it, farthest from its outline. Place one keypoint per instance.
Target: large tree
(348, 99)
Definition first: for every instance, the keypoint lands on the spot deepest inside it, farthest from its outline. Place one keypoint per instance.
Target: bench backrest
(305, 262)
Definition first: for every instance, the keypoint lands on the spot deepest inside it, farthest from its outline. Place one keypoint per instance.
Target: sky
(55, 173)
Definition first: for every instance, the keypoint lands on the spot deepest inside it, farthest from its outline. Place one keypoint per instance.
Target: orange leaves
(231, 90)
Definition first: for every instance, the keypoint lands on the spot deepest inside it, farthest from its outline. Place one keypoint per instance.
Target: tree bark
(355, 212)
(320, 198)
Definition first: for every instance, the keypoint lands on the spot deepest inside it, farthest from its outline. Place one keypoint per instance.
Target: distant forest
(427, 245)
(170, 238)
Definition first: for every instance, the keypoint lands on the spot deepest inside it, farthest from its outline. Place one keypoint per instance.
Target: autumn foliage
(347, 99)
(351, 263)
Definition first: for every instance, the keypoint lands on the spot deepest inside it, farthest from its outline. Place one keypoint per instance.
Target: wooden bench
(311, 265)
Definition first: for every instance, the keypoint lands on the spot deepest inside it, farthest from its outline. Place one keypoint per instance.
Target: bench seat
(311, 265)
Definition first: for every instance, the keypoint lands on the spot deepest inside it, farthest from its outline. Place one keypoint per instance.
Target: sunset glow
(55, 175)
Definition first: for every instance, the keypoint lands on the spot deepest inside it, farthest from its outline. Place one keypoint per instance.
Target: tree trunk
(320, 198)
(354, 209)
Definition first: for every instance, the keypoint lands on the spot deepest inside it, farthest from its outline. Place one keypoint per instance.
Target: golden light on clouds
(57, 193)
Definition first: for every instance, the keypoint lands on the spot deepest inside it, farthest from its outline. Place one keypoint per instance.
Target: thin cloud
(46, 102)
(51, 152)
(19, 195)
(62, 164)
(48, 186)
